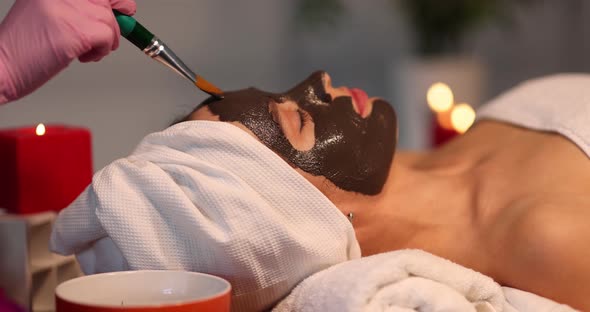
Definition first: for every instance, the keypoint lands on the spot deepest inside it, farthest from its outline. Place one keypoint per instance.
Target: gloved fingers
(103, 36)
(101, 44)
(108, 18)
(128, 7)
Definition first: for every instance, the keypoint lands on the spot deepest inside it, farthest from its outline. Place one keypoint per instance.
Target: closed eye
(304, 118)
(296, 124)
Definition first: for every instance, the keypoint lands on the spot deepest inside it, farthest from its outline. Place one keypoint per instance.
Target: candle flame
(40, 130)
(440, 97)
(462, 117)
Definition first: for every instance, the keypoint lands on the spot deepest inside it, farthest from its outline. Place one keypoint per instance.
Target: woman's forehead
(314, 82)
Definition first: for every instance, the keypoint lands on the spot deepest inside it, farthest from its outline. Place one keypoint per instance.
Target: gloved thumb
(128, 7)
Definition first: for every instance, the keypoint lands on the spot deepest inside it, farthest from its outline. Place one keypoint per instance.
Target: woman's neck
(426, 203)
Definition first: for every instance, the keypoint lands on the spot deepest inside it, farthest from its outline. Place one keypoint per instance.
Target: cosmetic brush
(152, 46)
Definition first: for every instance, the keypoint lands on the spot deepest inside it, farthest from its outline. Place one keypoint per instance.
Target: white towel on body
(206, 196)
(407, 280)
(558, 103)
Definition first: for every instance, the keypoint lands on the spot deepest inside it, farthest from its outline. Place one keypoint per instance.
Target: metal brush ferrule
(161, 53)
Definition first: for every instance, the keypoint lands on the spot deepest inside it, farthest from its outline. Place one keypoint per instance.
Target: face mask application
(352, 152)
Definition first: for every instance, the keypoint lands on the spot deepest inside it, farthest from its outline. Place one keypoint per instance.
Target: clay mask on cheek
(352, 152)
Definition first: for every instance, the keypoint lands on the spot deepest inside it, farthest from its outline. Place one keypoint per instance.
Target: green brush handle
(133, 31)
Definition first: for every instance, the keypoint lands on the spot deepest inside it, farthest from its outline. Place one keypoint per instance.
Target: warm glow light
(40, 130)
(444, 120)
(440, 97)
(462, 117)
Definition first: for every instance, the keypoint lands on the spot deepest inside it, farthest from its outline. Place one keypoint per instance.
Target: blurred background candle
(44, 167)
(449, 119)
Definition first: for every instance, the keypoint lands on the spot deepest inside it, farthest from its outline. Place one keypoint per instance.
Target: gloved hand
(39, 38)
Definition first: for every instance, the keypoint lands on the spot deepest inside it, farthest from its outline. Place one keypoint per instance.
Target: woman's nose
(333, 91)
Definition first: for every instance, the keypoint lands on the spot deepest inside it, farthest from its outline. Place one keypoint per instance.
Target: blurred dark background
(392, 49)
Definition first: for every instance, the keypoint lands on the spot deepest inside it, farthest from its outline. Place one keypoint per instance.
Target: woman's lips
(360, 98)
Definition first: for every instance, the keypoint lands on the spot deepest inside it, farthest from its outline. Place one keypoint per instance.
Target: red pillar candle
(43, 172)
(441, 134)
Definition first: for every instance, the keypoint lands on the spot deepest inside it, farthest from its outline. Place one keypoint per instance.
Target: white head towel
(206, 196)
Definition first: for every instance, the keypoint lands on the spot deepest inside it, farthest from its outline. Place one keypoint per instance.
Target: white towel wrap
(206, 196)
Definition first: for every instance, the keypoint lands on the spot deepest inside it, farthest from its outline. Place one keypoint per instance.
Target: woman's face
(338, 134)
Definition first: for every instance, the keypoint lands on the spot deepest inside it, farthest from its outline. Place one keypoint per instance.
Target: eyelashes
(288, 116)
(304, 118)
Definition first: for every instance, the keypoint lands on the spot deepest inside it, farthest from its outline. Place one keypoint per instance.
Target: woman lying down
(268, 189)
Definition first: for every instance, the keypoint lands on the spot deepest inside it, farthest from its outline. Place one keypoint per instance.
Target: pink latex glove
(39, 38)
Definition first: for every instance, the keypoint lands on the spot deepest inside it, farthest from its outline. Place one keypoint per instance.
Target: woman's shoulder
(546, 247)
(557, 103)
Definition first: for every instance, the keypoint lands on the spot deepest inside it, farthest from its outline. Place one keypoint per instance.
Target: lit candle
(43, 168)
(449, 120)
(442, 129)
(462, 117)
(440, 97)
(452, 123)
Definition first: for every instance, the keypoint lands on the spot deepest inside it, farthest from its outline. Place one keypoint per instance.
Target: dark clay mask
(354, 153)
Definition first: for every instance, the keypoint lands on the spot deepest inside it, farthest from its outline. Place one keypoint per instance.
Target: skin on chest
(535, 194)
(525, 168)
